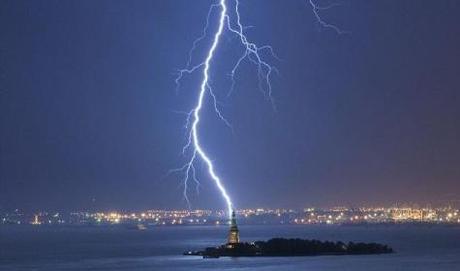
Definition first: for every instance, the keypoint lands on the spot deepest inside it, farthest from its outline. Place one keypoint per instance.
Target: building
(234, 234)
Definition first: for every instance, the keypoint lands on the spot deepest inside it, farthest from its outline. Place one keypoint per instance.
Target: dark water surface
(418, 248)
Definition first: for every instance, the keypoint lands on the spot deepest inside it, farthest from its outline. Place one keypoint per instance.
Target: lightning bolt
(193, 138)
(252, 53)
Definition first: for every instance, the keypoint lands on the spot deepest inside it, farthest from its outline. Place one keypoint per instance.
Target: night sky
(89, 113)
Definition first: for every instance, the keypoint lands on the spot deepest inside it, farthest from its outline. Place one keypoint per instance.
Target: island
(278, 247)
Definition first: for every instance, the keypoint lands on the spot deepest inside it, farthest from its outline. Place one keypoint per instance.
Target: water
(418, 248)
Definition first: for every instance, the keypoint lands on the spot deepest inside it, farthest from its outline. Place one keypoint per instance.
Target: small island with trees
(278, 247)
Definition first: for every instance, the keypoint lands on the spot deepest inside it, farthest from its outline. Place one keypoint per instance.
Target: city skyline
(308, 215)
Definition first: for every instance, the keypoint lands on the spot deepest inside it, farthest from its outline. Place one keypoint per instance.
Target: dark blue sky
(88, 105)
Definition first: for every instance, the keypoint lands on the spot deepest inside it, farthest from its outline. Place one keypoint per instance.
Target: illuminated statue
(234, 234)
